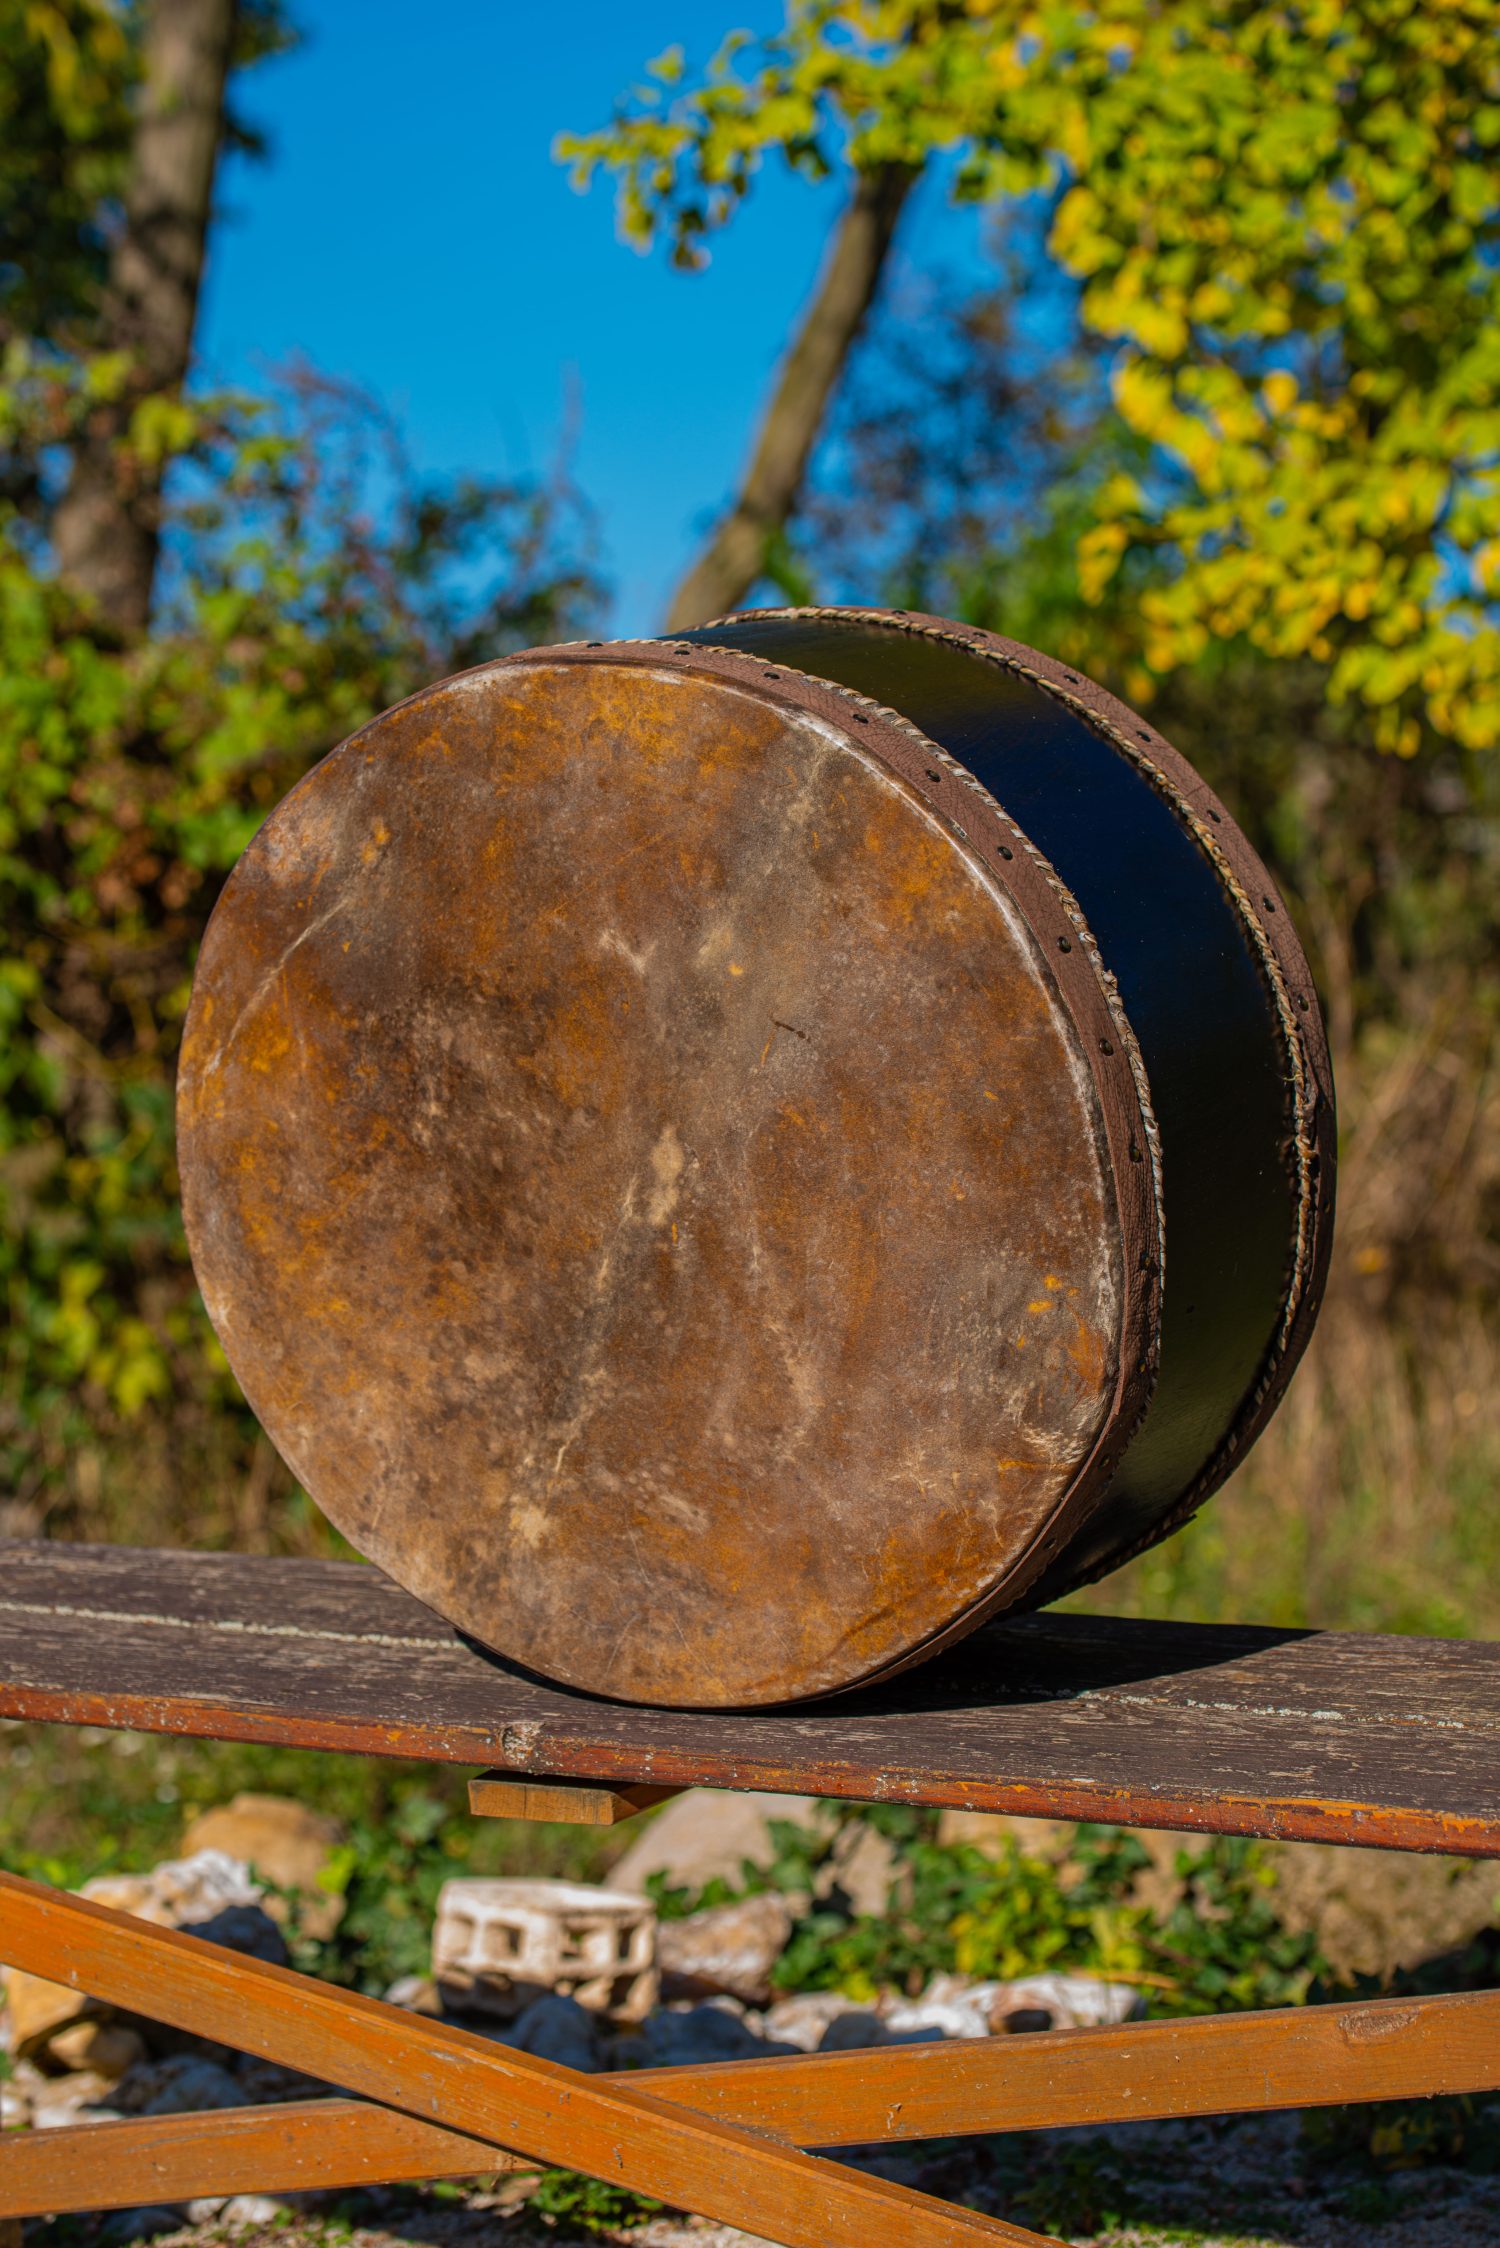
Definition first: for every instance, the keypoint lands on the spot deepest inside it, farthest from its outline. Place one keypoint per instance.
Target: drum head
(653, 1172)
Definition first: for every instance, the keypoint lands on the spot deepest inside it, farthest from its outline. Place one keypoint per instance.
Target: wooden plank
(1313, 1736)
(609, 2129)
(1385, 2049)
(303, 2146)
(500, 1795)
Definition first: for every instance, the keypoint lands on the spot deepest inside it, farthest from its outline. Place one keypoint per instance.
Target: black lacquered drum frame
(1213, 982)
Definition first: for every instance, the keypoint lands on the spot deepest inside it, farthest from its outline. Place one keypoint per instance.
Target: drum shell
(938, 1608)
(1217, 988)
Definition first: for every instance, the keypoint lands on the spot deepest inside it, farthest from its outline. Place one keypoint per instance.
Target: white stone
(209, 1894)
(179, 1893)
(251, 2209)
(497, 1945)
(994, 1832)
(731, 1948)
(286, 1843)
(862, 1867)
(948, 2007)
(84, 2098)
(417, 1993)
(1076, 2001)
(803, 2019)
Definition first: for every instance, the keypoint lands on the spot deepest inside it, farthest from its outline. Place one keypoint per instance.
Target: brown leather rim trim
(1283, 963)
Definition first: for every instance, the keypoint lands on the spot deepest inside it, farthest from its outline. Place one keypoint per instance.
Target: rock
(557, 2029)
(251, 2209)
(949, 2007)
(283, 1842)
(1072, 2001)
(707, 1835)
(139, 2224)
(802, 2020)
(183, 2084)
(417, 1993)
(731, 1948)
(860, 1871)
(181, 1893)
(209, 1895)
(854, 2030)
(497, 1945)
(106, 2048)
(15, 2107)
(38, 2009)
(1375, 1912)
(993, 1831)
(246, 1928)
(266, 2084)
(61, 2100)
(682, 2036)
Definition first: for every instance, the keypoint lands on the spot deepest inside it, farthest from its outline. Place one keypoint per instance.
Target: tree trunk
(735, 554)
(106, 530)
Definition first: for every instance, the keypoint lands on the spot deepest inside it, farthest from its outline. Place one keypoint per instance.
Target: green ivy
(1000, 1915)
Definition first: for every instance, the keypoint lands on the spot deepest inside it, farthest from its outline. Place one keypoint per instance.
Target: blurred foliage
(1284, 220)
(999, 1913)
(962, 468)
(130, 781)
(80, 1803)
(68, 68)
(309, 579)
(589, 2205)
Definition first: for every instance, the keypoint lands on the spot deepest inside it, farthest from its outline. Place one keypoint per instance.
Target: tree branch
(735, 554)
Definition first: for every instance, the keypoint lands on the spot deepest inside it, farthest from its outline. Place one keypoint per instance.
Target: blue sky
(411, 232)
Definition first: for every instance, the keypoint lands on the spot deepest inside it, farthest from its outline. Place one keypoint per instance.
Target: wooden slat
(609, 2129)
(303, 2146)
(1385, 2049)
(499, 1795)
(1314, 1736)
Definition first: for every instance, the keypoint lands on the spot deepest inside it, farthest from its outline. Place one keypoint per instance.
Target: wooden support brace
(606, 2128)
(1217, 2065)
(505, 1795)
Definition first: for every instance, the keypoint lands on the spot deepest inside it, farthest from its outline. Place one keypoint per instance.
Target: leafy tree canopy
(1284, 219)
(308, 579)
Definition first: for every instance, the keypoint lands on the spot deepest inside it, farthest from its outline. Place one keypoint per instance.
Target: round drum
(722, 1162)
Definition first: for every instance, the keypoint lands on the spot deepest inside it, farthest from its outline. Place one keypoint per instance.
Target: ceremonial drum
(721, 1162)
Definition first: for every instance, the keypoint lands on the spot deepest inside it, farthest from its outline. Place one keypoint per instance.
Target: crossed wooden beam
(723, 2140)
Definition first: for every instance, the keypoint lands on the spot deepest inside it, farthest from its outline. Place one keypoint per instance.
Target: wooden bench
(1308, 1736)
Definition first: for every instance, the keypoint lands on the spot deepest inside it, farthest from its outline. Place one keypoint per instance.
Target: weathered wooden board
(608, 2127)
(1316, 1736)
(1317, 2056)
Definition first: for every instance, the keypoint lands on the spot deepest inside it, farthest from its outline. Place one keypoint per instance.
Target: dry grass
(1373, 1500)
